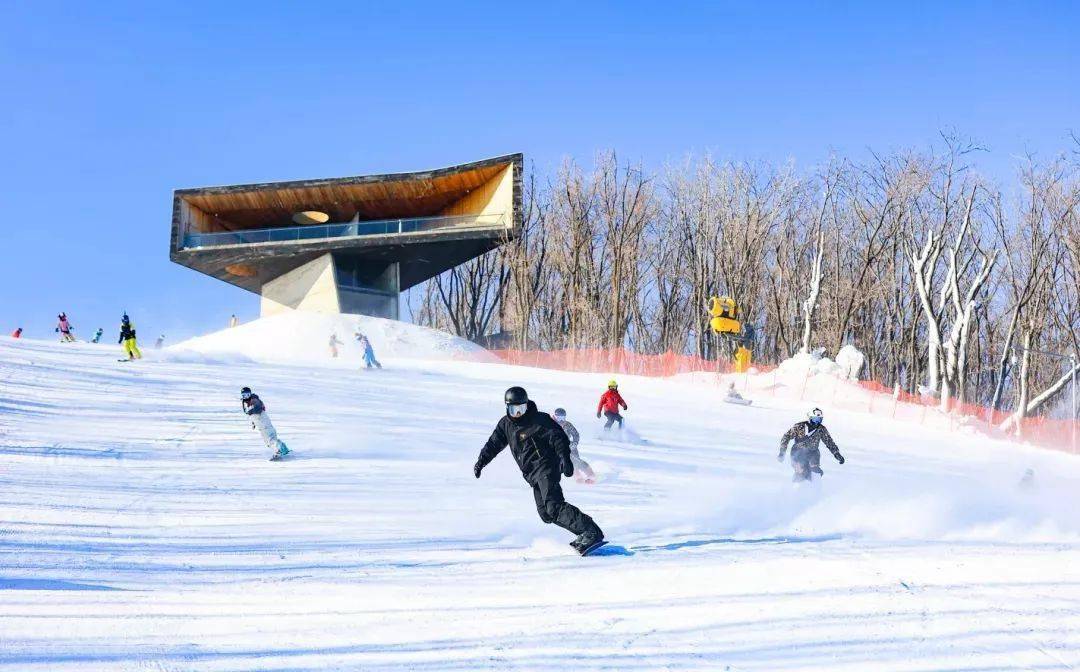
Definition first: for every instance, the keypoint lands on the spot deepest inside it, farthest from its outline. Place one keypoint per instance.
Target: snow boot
(588, 540)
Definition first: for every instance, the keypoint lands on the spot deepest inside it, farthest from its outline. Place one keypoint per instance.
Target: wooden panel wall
(496, 196)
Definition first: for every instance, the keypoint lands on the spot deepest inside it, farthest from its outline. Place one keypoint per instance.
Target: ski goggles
(245, 395)
(516, 410)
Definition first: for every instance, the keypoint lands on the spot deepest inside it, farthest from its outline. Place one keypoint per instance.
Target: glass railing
(351, 229)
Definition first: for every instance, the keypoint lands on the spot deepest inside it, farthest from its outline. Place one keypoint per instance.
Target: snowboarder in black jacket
(805, 456)
(542, 451)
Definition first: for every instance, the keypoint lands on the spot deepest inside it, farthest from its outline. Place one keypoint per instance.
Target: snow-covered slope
(142, 528)
(301, 337)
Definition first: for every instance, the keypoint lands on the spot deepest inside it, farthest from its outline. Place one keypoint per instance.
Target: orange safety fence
(868, 396)
(612, 361)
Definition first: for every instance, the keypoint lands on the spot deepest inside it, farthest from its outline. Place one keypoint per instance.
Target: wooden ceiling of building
(375, 197)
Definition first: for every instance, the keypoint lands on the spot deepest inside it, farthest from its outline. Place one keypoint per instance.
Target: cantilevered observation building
(349, 244)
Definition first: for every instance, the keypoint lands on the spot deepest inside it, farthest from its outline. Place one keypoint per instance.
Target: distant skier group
(127, 340)
(365, 346)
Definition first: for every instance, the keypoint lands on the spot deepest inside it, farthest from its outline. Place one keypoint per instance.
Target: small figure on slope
(260, 420)
(609, 405)
(542, 451)
(369, 352)
(64, 328)
(805, 456)
(1027, 481)
(733, 397)
(97, 335)
(159, 342)
(583, 473)
(127, 338)
(17, 333)
(334, 342)
(233, 321)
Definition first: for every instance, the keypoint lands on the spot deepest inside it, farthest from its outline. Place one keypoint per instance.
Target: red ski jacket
(610, 402)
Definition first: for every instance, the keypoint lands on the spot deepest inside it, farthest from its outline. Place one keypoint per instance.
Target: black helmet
(245, 392)
(560, 413)
(516, 395)
(517, 402)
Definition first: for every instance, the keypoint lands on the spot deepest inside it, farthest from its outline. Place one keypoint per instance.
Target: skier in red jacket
(609, 405)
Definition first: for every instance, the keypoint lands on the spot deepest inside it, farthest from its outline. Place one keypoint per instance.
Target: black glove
(476, 469)
(566, 467)
(839, 458)
(780, 457)
(598, 414)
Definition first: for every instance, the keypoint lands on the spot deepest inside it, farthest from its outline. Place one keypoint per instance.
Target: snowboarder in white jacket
(805, 456)
(255, 409)
(583, 473)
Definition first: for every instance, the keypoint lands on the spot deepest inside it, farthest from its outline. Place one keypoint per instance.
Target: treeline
(951, 285)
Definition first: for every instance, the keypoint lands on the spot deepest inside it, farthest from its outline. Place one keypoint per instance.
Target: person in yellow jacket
(127, 338)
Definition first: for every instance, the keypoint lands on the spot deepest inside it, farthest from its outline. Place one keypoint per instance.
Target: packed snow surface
(143, 528)
(299, 337)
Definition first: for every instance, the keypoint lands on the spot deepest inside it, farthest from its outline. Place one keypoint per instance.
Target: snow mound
(851, 361)
(812, 363)
(302, 337)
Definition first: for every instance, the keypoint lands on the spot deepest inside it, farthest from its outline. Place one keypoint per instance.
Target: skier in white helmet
(805, 456)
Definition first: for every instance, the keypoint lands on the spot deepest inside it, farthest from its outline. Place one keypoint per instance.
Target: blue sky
(107, 107)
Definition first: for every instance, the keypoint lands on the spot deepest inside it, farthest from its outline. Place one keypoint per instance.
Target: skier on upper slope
(369, 352)
(542, 451)
(583, 473)
(610, 402)
(17, 333)
(97, 335)
(127, 338)
(260, 420)
(64, 328)
(805, 456)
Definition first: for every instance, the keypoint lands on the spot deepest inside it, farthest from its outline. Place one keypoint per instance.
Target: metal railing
(350, 229)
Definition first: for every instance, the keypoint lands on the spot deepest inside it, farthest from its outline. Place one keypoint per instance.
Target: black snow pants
(805, 461)
(612, 418)
(553, 507)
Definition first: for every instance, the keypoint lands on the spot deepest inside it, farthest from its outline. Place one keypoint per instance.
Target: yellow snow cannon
(722, 313)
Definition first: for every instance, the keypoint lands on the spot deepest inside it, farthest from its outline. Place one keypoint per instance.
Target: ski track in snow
(143, 528)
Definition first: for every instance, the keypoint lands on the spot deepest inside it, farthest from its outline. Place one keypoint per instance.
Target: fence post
(1075, 420)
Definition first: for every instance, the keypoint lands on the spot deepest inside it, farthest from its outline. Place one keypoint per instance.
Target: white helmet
(815, 416)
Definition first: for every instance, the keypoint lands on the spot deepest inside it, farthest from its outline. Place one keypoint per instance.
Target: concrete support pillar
(312, 287)
(336, 283)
